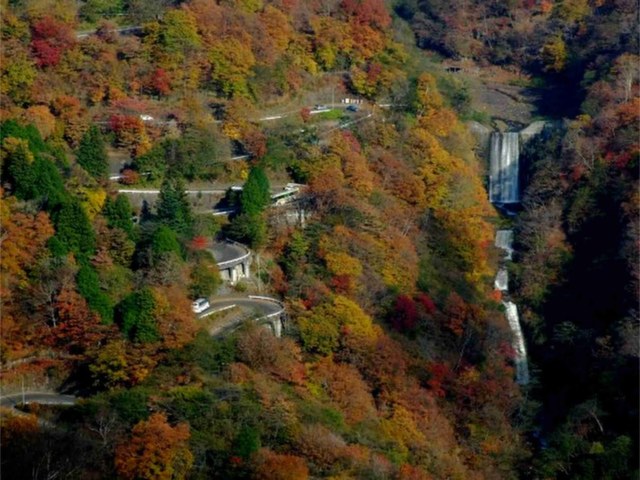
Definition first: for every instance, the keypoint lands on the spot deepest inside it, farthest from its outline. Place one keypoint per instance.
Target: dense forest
(395, 360)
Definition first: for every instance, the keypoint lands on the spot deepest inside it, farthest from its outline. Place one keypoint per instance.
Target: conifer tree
(256, 193)
(92, 153)
(164, 241)
(18, 161)
(74, 232)
(118, 213)
(173, 206)
(135, 315)
(89, 287)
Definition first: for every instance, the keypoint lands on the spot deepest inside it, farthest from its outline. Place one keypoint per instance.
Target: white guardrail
(271, 300)
(237, 259)
(251, 297)
(221, 309)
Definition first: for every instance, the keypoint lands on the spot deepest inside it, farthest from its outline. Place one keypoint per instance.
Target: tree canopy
(92, 153)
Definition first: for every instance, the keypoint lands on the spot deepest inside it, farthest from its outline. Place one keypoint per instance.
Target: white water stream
(522, 366)
(504, 181)
(501, 282)
(504, 188)
(504, 241)
(500, 169)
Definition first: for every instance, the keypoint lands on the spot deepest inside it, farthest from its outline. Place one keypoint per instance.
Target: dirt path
(507, 104)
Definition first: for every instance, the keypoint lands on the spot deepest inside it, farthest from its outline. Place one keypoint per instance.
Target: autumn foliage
(273, 466)
(396, 361)
(155, 450)
(405, 314)
(50, 39)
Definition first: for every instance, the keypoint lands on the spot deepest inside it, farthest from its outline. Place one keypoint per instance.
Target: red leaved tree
(426, 302)
(50, 39)
(404, 316)
(77, 328)
(160, 83)
(199, 242)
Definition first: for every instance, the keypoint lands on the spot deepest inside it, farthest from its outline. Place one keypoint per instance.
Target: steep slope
(396, 363)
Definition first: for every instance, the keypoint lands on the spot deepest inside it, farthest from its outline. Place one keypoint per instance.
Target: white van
(200, 305)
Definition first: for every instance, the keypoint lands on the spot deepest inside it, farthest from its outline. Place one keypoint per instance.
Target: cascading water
(504, 182)
(501, 282)
(504, 239)
(504, 188)
(522, 366)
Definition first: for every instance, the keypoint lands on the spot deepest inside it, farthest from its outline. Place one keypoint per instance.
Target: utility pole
(23, 399)
(258, 273)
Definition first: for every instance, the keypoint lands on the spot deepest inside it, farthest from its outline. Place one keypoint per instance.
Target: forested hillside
(395, 361)
(578, 235)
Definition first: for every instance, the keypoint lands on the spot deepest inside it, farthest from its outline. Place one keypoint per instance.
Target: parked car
(352, 108)
(200, 305)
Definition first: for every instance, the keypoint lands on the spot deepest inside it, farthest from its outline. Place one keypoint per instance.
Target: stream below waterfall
(504, 241)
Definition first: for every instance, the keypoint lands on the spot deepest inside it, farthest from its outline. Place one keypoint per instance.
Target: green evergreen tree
(89, 287)
(152, 164)
(250, 226)
(92, 153)
(73, 231)
(118, 213)
(198, 152)
(131, 403)
(20, 172)
(249, 229)
(173, 206)
(48, 184)
(11, 128)
(135, 316)
(33, 177)
(247, 442)
(205, 277)
(256, 193)
(164, 241)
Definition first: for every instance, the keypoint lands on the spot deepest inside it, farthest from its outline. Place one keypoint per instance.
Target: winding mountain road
(127, 30)
(43, 398)
(261, 308)
(229, 253)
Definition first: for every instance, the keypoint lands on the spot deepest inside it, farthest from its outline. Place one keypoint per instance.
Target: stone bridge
(263, 310)
(233, 260)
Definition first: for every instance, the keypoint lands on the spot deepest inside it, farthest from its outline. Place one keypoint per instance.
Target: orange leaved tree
(156, 450)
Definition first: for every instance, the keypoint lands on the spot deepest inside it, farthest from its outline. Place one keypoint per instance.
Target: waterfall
(504, 182)
(504, 188)
(504, 241)
(502, 280)
(522, 367)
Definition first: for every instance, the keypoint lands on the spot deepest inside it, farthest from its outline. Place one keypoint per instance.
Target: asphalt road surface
(43, 398)
(225, 252)
(244, 308)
